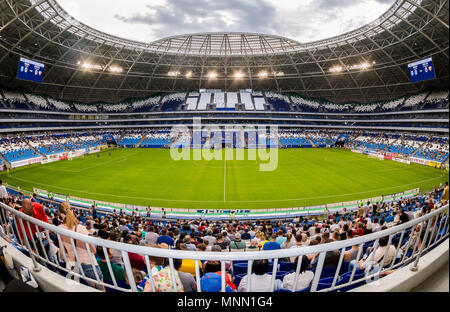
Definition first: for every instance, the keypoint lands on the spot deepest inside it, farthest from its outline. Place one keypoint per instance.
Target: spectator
(71, 223)
(304, 279)
(162, 277)
(280, 239)
(188, 241)
(220, 242)
(254, 246)
(289, 242)
(410, 214)
(3, 192)
(137, 261)
(445, 194)
(246, 235)
(151, 237)
(210, 238)
(103, 232)
(237, 244)
(118, 271)
(260, 280)
(351, 254)
(212, 282)
(375, 258)
(164, 238)
(188, 265)
(116, 256)
(272, 245)
(188, 281)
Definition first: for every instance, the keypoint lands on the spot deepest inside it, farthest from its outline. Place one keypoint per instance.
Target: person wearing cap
(246, 235)
(237, 244)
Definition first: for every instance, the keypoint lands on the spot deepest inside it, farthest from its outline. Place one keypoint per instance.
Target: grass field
(304, 177)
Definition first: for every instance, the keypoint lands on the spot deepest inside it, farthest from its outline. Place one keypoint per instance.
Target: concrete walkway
(438, 282)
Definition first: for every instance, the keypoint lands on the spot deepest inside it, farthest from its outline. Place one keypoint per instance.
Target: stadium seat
(325, 283)
(345, 278)
(240, 268)
(286, 266)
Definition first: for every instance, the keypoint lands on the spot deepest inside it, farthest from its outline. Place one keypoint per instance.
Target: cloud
(191, 16)
(302, 20)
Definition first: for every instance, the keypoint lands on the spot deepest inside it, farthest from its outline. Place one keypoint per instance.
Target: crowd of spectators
(433, 148)
(294, 102)
(219, 236)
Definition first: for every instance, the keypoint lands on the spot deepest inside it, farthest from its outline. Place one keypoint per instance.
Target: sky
(301, 20)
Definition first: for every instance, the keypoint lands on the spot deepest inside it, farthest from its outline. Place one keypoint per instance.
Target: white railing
(408, 250)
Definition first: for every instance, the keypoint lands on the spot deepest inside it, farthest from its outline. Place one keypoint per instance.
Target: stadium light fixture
(115, 69)
(278, 74)
(362, 66)
(239, 75)
(336, 69)
(173, 73)
(88, 66)
(263, 74)
(188, 74)
(212, 75)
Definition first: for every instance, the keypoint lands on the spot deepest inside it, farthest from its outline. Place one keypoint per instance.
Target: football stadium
(224, 161)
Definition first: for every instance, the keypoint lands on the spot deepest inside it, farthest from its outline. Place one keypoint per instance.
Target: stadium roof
(84, 64)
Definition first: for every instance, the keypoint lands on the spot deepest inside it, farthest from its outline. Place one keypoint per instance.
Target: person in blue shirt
(272, 245)
(164, 238)
(280, 239)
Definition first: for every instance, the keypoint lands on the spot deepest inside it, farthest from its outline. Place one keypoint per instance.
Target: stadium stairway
(331, 138)
(311, 141)
(122, 135)
(420, 147)
(144, 137)
(34, 149)
(395, 142)
(60, 145)
(174, 140)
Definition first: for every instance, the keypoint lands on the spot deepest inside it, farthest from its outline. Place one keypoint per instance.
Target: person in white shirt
(373, 261)
(3, 192)
(260, 280)
(334, 226)
(375, 225)
(304, 279)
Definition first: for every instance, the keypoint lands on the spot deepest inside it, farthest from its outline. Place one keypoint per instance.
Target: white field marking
(216, 201)
(224, 179)
(124, 158)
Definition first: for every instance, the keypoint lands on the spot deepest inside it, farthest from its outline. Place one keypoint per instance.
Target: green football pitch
(304, 177)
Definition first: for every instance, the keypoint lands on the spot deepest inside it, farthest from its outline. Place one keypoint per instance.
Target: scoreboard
(30, 70)
(421, 70)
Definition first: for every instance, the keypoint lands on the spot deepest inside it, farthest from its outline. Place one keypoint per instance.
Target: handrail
(157, 252)
(320, 249)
